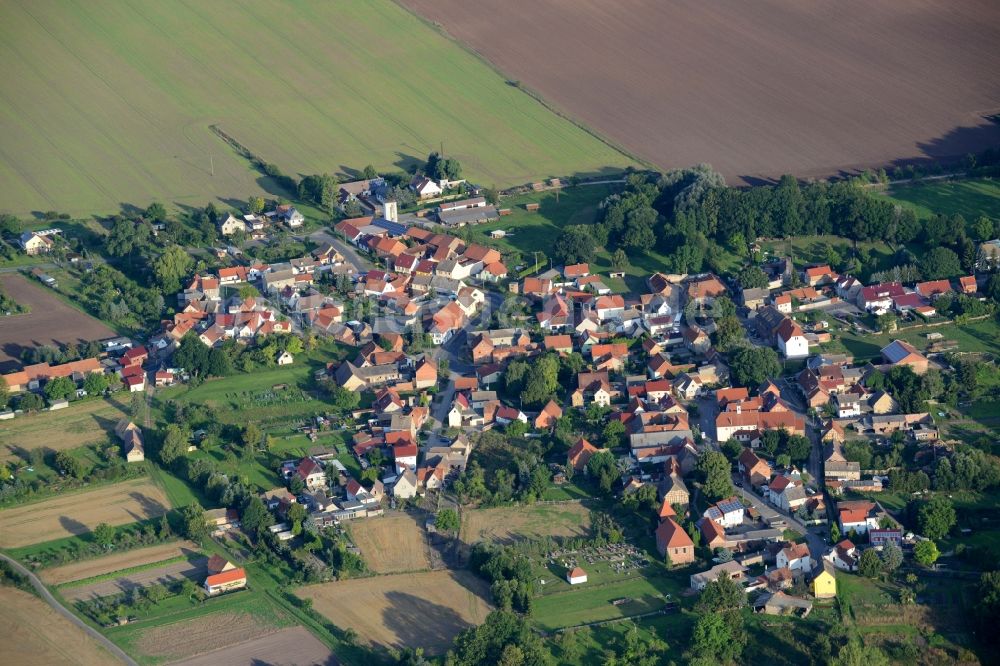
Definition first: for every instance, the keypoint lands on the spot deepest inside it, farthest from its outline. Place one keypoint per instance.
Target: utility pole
(211, 160)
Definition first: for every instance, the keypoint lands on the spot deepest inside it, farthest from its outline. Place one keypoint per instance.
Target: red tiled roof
(230, 576)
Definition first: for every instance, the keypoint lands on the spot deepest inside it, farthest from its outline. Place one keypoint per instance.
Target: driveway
(814, 535)
(360, 263)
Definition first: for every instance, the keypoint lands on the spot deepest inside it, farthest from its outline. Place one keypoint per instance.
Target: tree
(926, 553)
(59, 388)
(798, 447)
(750, 366)
(892, 557)
(30, 402)
(195, 523)
(834, 533)
(442, 168)
(752, 277)
(941, 262)
(252, 435)
(639, 224)
(446, 521)
(95, 383)
(296, 514)
(573, 246)
(256, 518)
(171, 267)
(603, 467)
(614, 432)
(722, 594)
(718, 475)
(175, 443)
(104, 535)
(886, 322)
(936, 517)
(156, 212)
(344, 400)
(856, 653)
(869, 565)
(713, 638)
(369, 172)
(619, 259)
(69, 465)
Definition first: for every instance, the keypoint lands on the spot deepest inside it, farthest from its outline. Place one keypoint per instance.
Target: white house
(406, 485)
(231, 224)
(728, 512)
(792, 342)
(795, 557)
(576, 576)
(843, 556)
(848, 405)
(285, 358)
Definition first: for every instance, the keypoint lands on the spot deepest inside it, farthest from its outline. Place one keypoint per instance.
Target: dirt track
(33, 634)
(756, 89)
(79, 513)
(50, 322)
(288, 647)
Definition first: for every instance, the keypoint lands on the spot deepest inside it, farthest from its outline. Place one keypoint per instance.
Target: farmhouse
(902, 353)
(34, 243)
(33, 376)
(133, 447)
(226, 581)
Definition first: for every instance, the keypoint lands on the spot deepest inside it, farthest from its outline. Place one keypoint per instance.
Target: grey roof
(469, 215)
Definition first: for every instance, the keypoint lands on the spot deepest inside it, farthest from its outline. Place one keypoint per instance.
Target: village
(745, 457)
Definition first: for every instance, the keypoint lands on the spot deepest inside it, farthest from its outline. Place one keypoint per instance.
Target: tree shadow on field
(350, 172)
(408, 163)
(72, 526)
(420, 623)
(148, 505)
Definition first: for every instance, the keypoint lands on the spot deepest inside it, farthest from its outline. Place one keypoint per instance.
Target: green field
(592, 602)
(979, 336)
(969, 198)
(129, 90)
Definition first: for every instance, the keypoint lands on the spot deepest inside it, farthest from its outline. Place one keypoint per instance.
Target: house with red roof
(933, 288)
(673, 541)
(579, 455)
(226, 581)
(547, 418)
(310, 472)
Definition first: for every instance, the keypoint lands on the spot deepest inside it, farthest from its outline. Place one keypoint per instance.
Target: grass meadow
(130, 92)
(969, 198)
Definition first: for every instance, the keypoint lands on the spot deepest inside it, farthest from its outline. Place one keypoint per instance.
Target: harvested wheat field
(406, 610)
(99, 566)
(757, 89)
(507, 524)
(33, 634)
(77, 425)
(391, 545)
(79, 513)
(194, 637)
(288, 647)
(50, 322)
(194, 567)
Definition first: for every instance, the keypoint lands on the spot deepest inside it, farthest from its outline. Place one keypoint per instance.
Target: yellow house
(824, 584)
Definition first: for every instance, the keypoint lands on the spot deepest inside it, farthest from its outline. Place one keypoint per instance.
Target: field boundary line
(121, 573)
(59, 608)
(439, 29)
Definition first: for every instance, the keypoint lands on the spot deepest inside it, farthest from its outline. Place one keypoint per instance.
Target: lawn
(82, 422)
(807, 250)
(592, 602)
(979, 336)
(252, 396)
(130, 93)
(968, 198)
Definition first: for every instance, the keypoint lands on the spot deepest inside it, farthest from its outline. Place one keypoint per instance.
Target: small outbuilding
(285, 358)
(576, 575)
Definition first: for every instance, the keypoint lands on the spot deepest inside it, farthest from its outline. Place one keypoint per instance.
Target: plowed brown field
(50, 322)
(756, 89)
